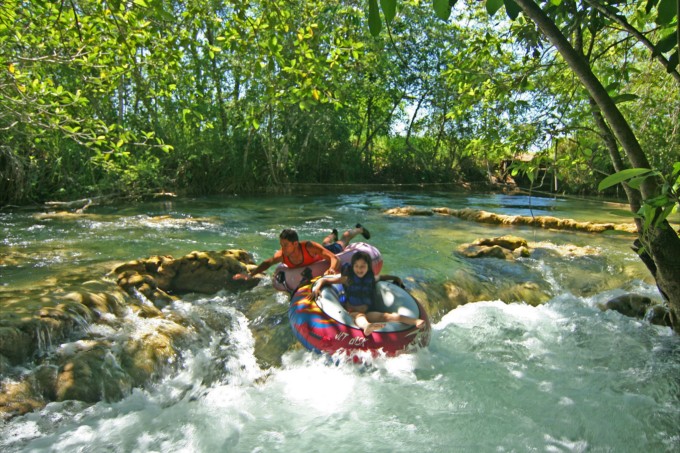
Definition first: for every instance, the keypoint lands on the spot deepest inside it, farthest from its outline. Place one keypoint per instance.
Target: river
(503, 377)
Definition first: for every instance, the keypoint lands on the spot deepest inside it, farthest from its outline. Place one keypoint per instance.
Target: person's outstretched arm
(393, 278)
(327, 281)
(263, 266)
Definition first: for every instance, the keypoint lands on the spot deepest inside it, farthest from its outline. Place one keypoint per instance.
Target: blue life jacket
(359, 291)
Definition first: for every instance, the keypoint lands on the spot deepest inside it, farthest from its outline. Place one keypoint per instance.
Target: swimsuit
(307, 259)
(334, 248)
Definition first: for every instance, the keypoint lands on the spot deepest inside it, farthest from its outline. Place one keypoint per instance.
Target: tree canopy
(202, 96)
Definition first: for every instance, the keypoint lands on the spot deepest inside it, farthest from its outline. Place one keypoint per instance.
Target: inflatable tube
(324, 326)
(288, 279)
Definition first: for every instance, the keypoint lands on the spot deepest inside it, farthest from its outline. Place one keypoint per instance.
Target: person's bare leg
(362, 322)
(348, 235)
(376, 316)
(331, 238)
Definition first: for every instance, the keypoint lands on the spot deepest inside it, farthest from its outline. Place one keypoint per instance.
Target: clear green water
(562, 376)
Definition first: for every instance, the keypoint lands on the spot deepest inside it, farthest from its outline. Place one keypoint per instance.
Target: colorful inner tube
(324, 326)
(288, 279)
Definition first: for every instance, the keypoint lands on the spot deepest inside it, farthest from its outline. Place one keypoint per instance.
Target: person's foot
(334, 232)
(364, 231)
(372, 327)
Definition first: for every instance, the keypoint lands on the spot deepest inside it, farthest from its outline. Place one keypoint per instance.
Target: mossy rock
(205, 272)
(92, 375)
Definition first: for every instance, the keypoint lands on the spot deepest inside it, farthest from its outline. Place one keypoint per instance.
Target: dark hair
(289, 235)
(362, 256)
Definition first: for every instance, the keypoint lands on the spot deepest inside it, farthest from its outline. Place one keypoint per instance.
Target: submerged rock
(633, 305)
(503, 247)
(409, 211)
(640, 307)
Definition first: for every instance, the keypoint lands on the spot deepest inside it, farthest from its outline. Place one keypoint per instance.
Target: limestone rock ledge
(158, 278)
(99, 339)
(548, 222)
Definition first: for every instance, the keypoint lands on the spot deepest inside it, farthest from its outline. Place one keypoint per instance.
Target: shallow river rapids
(497, 376)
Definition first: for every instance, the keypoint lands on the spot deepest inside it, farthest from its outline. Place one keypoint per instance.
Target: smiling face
(360, 268)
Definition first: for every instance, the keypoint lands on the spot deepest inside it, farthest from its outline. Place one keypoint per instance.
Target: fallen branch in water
(81, 204)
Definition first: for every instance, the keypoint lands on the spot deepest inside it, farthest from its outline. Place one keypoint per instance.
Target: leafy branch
(656, 209)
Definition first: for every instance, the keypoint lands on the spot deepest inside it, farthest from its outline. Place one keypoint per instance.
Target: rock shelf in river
(501, 219)
(99, 339)
(158, 277)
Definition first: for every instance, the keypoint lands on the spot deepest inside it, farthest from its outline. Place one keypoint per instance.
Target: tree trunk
(661, 242)
(606, 133)
(217, 80)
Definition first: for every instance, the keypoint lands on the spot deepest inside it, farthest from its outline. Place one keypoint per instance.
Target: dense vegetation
(200, 96)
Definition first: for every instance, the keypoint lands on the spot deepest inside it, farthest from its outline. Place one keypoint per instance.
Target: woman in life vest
(359, 283)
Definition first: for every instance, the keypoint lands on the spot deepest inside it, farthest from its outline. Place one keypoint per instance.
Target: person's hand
(400, 283)
(330, 271)
(242, 276)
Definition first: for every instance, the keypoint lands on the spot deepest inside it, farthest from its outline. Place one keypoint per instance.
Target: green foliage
(655, 210)
(64, 64)
(203, 96)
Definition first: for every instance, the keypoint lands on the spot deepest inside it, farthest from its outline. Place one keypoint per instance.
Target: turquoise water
(562, 376)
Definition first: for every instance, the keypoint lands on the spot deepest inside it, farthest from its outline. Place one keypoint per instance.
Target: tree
(660, 245)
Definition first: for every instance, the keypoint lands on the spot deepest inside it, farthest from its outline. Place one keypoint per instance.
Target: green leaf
(374, 23)
(636, 182)
(658, 201)
(651, 4)
(667, 210)
(626, 97)
(512, 9)
(666, 11)
(646, 213)
(389, 8)
(666, 44)
(442, 9)
(492, 6)
(141, 3)
(621, 176)
(612, 87)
